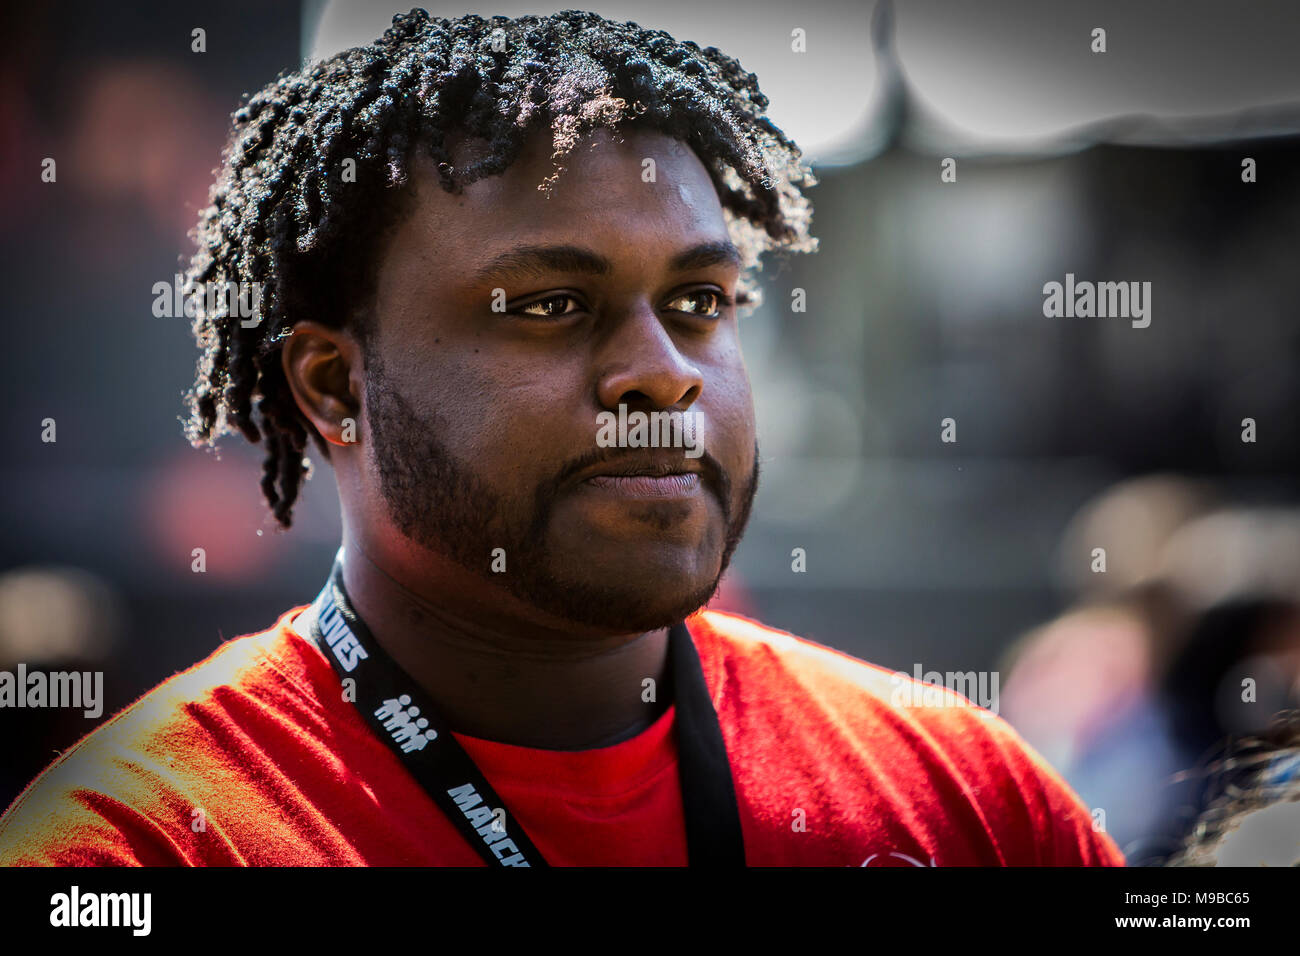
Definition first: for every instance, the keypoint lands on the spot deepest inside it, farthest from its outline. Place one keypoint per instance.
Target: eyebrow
(531, 262)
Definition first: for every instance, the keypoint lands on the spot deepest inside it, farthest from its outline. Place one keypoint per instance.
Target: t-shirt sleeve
(1034, 816)
(79, 827)
(1074, 838)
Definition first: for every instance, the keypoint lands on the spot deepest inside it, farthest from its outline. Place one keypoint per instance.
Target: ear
(324, 368)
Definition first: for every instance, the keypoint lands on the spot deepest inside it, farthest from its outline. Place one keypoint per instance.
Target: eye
(551, 307)
(702, 302)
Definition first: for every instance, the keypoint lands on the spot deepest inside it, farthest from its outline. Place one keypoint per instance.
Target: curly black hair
(285, 219)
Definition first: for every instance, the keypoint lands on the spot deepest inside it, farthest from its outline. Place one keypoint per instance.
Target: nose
(642, 365)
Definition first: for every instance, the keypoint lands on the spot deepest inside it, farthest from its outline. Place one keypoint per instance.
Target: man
(479, 245)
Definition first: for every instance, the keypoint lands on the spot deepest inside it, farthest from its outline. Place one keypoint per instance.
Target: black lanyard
(401, 714)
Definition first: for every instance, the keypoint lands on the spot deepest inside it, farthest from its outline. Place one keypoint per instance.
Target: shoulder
(939, 733)
(835, 680)
(122, 792)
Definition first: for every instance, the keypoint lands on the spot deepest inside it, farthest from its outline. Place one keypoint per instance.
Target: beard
(447, 508)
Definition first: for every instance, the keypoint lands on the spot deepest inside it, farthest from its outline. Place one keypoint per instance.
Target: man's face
(483, 424)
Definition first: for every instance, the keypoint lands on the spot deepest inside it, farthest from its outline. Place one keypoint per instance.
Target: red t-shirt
(252, 756)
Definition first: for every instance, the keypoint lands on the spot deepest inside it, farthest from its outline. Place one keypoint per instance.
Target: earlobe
(318, 364)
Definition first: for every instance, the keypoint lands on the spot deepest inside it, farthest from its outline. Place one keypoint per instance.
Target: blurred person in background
(1142, 678)
(1082, 688)
(1237, 665)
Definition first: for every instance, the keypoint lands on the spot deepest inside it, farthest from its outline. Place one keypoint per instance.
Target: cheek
(511, 423)
(730, 409)
(731, 441)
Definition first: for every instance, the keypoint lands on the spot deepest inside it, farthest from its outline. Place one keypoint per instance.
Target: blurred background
(925, 303)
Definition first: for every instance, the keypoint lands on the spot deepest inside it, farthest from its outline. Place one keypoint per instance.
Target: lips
(648, 486)
(644, 476)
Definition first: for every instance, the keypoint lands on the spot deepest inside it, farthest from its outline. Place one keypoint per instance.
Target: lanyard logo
(401, 723)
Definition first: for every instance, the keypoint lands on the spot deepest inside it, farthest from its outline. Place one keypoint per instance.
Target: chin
(626, 603)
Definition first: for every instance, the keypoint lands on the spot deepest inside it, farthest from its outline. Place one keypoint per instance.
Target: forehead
(622, 191)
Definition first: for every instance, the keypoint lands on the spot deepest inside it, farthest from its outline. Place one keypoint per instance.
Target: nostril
(634, 398)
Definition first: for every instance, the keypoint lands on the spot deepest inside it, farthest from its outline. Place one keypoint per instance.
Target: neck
(520, 684)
